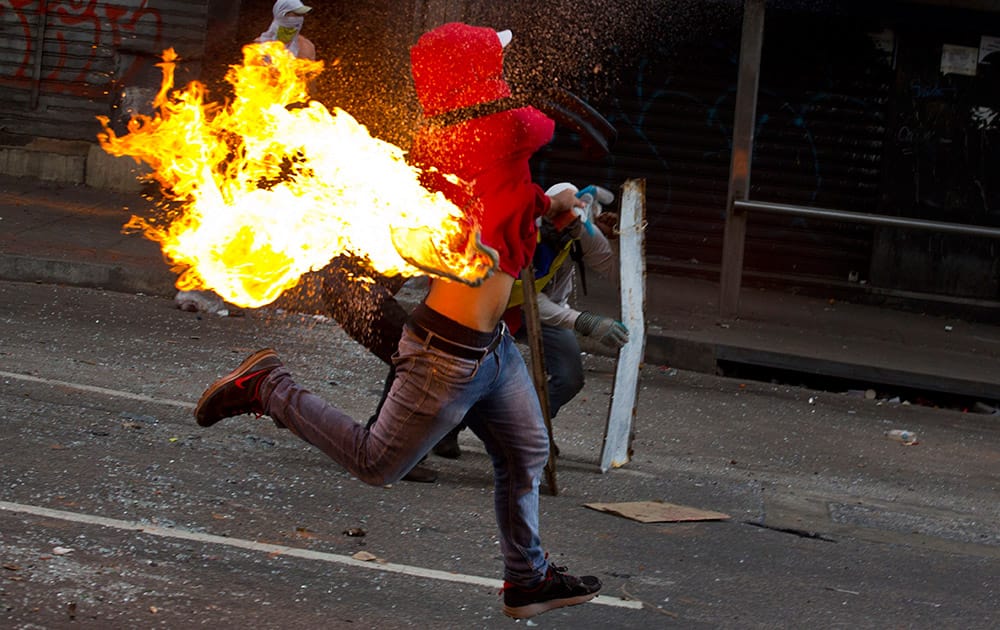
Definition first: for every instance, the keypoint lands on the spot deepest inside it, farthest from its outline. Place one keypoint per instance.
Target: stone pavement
(70, 234)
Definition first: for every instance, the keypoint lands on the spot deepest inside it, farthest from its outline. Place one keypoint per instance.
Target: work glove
(606, 330)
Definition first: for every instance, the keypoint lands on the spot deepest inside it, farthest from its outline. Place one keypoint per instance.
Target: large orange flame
(272, 185)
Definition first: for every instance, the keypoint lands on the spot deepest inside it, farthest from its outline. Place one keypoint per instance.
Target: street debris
(903, 436)
(354, 531)
(206, 302)
(364, 556)
(657, 512)
(61, 551)
(304, 532)
(841, 590)
(201, 302)
(923, 399)
(989, 410)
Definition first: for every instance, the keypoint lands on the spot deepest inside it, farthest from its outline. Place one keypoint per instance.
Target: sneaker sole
(225, 380)
(531, 610)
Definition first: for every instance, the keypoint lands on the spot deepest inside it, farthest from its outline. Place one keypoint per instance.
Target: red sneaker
(237, 392)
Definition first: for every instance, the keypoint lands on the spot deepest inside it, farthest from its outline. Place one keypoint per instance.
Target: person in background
(560, 322)
(455, 359)
(289, 16)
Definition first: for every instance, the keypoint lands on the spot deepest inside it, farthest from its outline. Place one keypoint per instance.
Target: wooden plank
(617, 448)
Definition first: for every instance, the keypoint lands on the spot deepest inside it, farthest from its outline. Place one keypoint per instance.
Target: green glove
(606, 330)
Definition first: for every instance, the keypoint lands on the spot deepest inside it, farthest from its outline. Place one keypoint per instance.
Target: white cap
(298, 8)
(558, 188)
(505, 37)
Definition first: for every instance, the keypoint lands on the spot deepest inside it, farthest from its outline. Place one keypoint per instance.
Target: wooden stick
(533, 326)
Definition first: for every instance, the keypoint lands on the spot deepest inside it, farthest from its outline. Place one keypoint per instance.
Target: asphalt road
(117, 511)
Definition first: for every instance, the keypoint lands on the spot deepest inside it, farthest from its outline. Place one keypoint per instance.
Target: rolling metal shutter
(818, 141)
(63, 63)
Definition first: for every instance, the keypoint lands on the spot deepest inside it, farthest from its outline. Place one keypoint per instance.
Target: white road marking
(97, 390)
(271, 549)
(251, 545)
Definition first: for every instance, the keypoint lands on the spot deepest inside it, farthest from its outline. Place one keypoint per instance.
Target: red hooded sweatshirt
(456, 66)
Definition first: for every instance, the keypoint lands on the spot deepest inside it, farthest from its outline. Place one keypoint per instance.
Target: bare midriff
(479, 308)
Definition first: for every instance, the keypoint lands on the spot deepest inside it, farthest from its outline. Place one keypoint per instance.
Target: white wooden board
(625, 390)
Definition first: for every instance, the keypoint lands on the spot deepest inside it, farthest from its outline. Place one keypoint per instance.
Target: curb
(117, 278)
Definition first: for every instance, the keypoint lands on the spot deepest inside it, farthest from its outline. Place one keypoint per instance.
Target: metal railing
(871, 219)
(738, 204)
(729, 298)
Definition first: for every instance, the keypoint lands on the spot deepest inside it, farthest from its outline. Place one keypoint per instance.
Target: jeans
(433, 392)
(563, 365)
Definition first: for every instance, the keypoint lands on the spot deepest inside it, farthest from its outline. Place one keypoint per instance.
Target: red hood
(457, 65)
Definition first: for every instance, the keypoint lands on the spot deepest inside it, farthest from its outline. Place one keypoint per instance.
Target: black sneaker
(558, 589)
(448, 446)
(421, 474)
(237, 392)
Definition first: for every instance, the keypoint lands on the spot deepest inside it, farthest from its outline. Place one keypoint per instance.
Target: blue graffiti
(927, 92)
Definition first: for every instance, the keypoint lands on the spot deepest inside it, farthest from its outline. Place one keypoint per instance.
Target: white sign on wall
(959, 60)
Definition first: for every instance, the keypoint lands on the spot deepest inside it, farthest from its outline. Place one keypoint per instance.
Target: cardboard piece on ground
(657, 512)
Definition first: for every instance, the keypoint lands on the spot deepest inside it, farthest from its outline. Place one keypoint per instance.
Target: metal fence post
(751, 43)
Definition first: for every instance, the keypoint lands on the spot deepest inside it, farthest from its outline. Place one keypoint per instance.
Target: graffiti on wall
(947, 135)
(72, 46)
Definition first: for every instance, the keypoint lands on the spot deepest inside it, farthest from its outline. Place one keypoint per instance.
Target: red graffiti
(21, 14)
(79, 42)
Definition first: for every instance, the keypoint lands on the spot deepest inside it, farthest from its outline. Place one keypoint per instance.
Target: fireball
(271, 185)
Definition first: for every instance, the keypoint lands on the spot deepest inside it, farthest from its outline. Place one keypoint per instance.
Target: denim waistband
(447, 328)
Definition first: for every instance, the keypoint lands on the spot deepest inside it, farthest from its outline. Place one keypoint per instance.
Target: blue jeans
(433, 392)
(563, 365)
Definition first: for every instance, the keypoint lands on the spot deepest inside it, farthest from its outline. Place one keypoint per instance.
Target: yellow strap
(517, 291)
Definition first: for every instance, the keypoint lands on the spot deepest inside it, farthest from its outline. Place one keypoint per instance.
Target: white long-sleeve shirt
(553, 300)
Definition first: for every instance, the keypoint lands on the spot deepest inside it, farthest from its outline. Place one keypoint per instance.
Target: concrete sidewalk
(64, 234)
